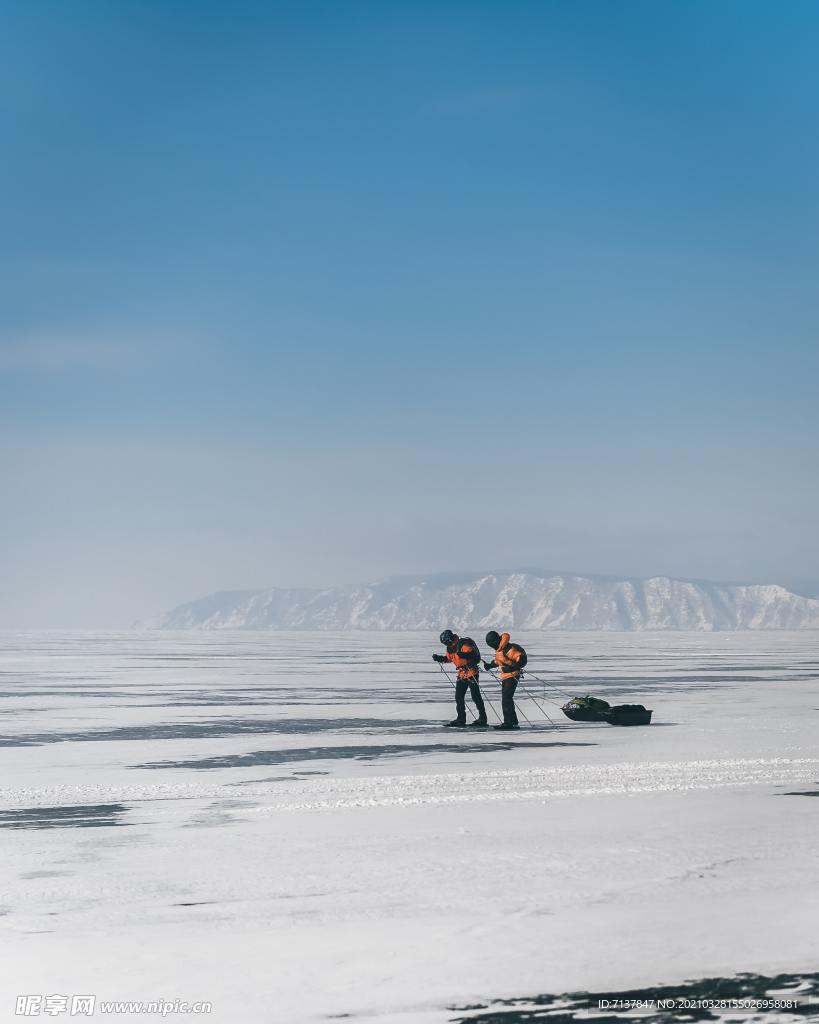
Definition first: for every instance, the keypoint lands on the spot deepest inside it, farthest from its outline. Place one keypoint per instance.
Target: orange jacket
(508, 657)
(465, 656)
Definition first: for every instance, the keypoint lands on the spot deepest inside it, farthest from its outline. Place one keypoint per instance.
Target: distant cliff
(516, 600)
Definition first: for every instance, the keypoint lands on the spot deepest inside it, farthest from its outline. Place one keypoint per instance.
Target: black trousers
(461, 686)
(508, 687)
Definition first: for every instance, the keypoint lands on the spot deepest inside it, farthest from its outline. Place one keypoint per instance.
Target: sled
(592, 709)
(586, 709)
(629, 714)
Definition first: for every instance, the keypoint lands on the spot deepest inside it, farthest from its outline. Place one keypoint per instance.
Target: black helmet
(493, 639)
(447, 637)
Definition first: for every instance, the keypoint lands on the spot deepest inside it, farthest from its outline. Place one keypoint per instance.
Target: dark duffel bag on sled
(629, 714)
(587, 709)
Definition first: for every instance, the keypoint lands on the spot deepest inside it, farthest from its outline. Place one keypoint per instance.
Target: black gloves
(489, 665)
(439, 657)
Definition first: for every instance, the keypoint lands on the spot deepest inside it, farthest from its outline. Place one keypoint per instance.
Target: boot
(456, 723)
(506, 725)
(480, 720)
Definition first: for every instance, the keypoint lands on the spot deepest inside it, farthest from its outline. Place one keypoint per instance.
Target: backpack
(524, 656)
(475, 657)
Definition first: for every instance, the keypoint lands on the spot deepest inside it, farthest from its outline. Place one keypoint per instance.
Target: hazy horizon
(315, 295)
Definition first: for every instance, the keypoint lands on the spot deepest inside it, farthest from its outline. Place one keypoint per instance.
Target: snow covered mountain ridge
(520, 600)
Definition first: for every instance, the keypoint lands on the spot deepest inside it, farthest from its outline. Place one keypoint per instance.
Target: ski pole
(525, 716)
(531, 696)
(485, 698)
(455, 688)
(539, 706)
(528, 693)
(491, 705)
(525, 693)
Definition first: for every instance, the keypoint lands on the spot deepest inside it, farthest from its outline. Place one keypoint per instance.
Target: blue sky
(289, 292)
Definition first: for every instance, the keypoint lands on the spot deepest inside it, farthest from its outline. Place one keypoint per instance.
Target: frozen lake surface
(276, 823)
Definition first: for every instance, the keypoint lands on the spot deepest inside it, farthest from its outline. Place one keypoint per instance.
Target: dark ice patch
(585, 1006)
(219, 727)
(269, 778)
(357, 753)
(46, 874)
(78, 816)
(296, 776)
(306, 695)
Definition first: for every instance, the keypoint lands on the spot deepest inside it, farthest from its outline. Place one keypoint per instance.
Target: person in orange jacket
(463, 653)
(511, 660)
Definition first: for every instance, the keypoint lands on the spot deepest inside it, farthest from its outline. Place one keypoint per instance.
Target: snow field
(169, 834)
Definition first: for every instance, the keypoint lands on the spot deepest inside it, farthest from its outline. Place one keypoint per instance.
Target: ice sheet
(278, 824)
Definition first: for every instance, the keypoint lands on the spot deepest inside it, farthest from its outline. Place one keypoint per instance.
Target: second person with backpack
(511, 660)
